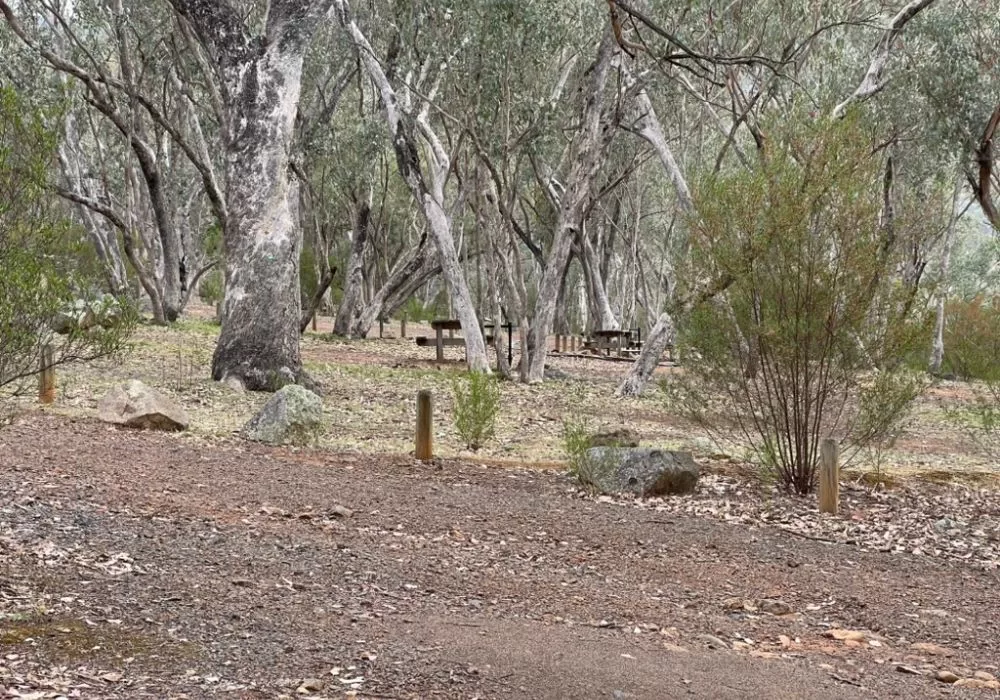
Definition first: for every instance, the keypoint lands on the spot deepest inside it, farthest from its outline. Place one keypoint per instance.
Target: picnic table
(624, 342)
(452, 325)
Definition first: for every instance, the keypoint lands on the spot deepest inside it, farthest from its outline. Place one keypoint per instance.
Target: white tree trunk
(261, 82)
(652, 350)
(350, 303)
(588, 151)
(598, 289)
(427, 191)
(937, 348)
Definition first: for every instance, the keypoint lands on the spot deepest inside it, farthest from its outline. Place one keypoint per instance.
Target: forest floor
(142, 565)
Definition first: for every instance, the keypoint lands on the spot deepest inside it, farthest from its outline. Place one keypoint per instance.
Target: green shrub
(576, 441)
(45, 281)
(210, 288)
(805, 337)
(972, 339)
(972, 353)
(476, 406)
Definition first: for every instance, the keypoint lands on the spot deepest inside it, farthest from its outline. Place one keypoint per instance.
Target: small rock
(946, 677)
(135, 405)
(311, 685)
(233, 383)
(775, 607)
(977, 684)
(712, 642)
(903, 668)
(741, 604)
(931, 648)
(294, 414)
(845, 635)
(984, 676)
(341, 511)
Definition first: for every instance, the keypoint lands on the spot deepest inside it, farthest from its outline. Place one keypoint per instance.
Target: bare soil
(139, 565)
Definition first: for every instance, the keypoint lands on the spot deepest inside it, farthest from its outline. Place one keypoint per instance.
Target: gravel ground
(138, 565)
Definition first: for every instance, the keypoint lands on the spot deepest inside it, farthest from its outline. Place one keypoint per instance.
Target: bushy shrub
(972, 353)
(476, 406)
(576, 440)
(45, 282)
(805, 338)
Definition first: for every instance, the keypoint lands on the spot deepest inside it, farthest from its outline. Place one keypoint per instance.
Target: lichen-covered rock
(293, 415)
(135, 405)
(641, 472)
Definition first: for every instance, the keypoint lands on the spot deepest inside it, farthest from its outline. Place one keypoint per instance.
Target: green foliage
(416, 310)
(476, 406)
(576, 437)
(210, 289)
(809, 307)
(972, 353)
(42, 281)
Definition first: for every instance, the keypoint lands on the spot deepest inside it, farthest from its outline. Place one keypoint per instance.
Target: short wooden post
(425, 426)
(829, 477)
(46, 376)
(572, 343)
(381, 328)
(402, 327)
(314, 323)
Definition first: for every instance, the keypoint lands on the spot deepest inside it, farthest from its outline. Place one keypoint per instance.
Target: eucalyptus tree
(257, 60)
(124, 107)
(410, 130)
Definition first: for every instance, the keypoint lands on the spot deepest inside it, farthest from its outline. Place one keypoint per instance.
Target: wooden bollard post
(425, 426)
(381, 328)
(829, 477)
(402, 327)
(314, 322)
(46, 376)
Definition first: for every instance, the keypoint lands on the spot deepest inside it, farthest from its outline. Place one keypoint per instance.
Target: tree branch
(872, 82)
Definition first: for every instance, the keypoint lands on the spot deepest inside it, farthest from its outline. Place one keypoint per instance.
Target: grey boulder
(641, 471)
(292, 415)
(135, 405)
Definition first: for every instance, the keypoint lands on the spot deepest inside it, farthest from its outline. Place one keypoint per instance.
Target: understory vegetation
(800, 200)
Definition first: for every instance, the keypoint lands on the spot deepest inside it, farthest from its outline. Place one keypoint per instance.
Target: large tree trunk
(261, 80)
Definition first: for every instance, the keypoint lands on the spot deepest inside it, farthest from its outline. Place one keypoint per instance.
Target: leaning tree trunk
(642, 369)
(261, 81)
(588, 154)
(428, 192)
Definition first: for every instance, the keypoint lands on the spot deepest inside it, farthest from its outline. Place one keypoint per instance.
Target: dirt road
(150, 566)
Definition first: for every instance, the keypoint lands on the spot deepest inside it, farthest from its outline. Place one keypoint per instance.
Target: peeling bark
(260, 80)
